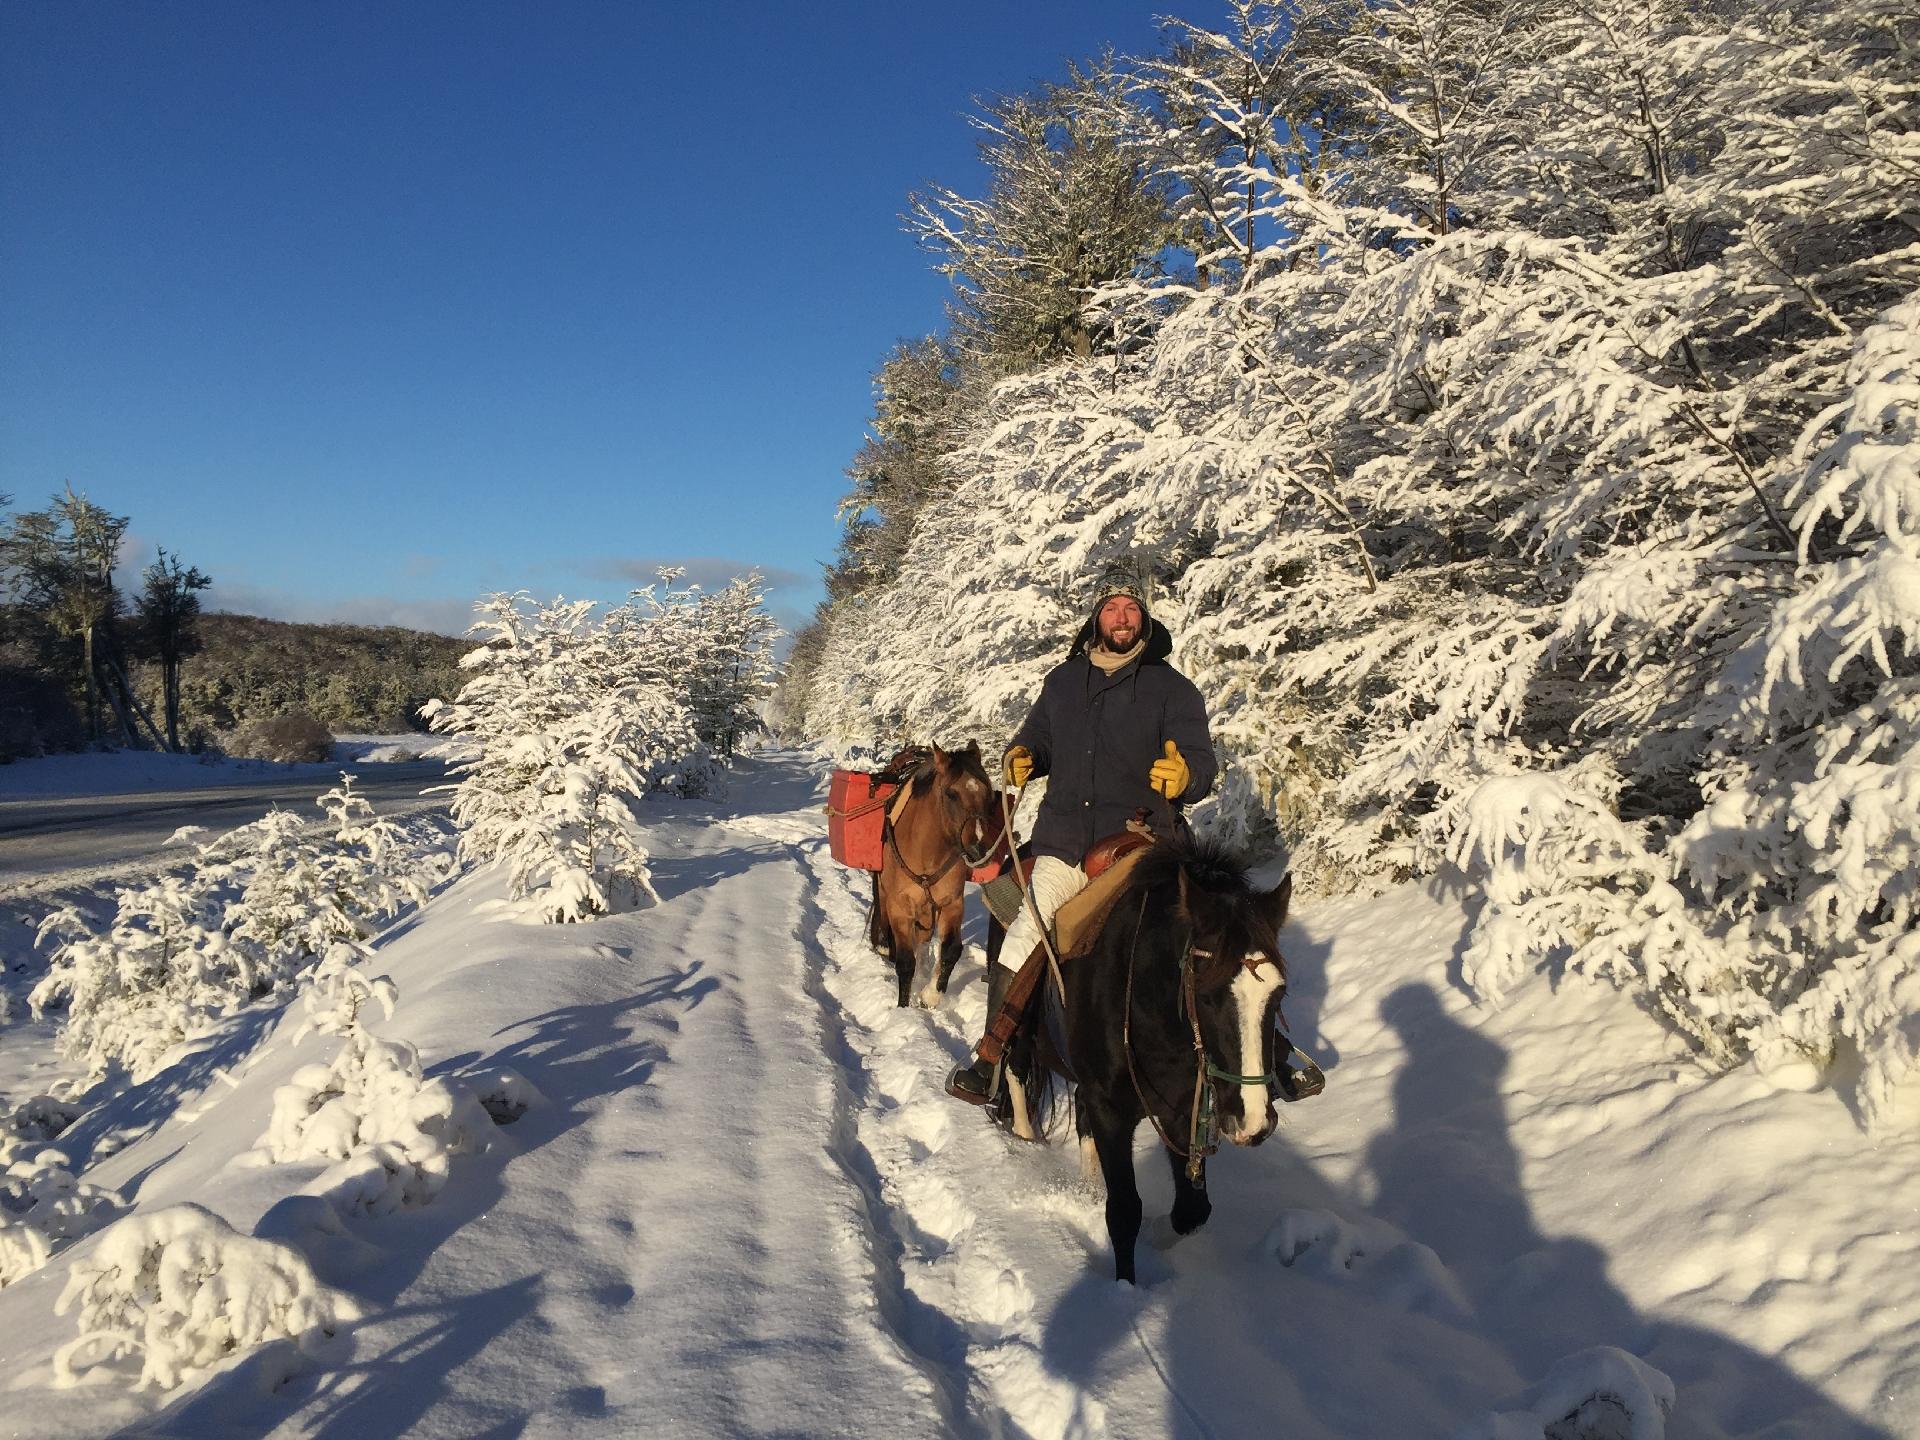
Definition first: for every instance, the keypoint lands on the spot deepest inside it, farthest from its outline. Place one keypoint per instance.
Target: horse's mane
(966, 762)
(1210, 865)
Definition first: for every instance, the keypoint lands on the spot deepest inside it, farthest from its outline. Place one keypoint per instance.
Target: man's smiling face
(1120, 622)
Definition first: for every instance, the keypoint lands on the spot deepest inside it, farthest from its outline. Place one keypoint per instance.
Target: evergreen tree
(62, 562)
(1068, 208)
(168, 605)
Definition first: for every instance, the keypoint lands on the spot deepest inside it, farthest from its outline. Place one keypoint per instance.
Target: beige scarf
(1109, 662)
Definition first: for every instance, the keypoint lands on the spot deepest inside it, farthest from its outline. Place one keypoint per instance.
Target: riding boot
(978, 1083)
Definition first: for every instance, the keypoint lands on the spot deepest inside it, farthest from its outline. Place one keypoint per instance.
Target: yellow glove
(1170, 774)
(1018, 766)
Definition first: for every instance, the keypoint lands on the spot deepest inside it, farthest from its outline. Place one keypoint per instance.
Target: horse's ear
(1274, 904)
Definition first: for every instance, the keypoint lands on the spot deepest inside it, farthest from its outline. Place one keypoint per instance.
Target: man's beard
(1107, 641)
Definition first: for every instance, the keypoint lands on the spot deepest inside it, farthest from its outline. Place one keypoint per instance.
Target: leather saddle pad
(1077, 924)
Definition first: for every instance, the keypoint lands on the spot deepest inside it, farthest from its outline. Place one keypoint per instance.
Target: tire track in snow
(945, 1279)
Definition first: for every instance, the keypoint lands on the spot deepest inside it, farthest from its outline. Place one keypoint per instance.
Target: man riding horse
(1117, 730)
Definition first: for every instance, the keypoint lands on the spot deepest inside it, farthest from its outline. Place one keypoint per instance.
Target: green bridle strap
(1214, 1072)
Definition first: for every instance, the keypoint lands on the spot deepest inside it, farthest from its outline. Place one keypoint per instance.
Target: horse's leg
(1021, 1112)
(877, 918)
(905, 957)
(1113, 1141)
(1191, 1207)
(898, 932)
(1089, 1153)
(946, 945)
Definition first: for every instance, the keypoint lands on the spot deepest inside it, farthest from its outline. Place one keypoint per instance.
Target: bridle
(1202, 1130)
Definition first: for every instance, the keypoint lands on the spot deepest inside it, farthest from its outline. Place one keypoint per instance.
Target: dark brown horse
(1171, 1019)
(947, 828)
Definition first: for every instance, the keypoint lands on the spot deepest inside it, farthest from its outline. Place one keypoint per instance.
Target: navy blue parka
(1096, 736)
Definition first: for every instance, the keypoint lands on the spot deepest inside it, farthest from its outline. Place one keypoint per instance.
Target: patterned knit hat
(1130, 589)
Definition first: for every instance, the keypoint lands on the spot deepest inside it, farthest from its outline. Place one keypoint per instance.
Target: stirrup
(965, 1082)
(1304, 1083)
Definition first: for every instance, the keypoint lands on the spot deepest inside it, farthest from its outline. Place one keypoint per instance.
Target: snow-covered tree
(1521, 473)
(1068, 208)
(574, 723)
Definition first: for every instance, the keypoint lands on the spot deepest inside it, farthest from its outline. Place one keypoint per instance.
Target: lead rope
(1026, 899)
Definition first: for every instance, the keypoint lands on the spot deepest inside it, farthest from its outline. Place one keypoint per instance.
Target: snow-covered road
(746, 1208)
(44, 839)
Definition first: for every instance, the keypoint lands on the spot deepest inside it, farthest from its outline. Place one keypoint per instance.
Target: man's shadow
(1328, 1323)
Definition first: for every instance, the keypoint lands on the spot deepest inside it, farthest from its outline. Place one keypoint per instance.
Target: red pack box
(857, 819)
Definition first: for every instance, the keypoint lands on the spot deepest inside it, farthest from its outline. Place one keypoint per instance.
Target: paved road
(42, 836)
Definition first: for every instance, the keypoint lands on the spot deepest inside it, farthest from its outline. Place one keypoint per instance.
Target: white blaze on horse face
(1252, 989)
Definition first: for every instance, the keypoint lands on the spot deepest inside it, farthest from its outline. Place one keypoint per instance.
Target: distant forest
(351, 678)
(82, 664)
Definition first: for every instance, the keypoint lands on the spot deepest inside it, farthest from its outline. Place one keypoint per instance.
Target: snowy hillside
(741, 1205)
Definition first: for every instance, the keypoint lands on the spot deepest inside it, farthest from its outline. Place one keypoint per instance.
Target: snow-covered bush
(184, 1291)
(259, 907)
(394, 1131)
(162, 970)
(43, 1206)
(305, 887)
(379, 866)
(292, 737)
(1599, 1394)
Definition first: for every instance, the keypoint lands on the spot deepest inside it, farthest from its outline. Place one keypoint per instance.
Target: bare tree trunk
(93, 686)
(170, 690)
(118, 703)
(133, 699)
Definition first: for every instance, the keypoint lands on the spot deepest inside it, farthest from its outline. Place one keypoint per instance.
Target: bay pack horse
(947, 828)
(1171, 1019)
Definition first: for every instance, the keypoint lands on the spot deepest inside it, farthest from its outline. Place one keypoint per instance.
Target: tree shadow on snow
(677, 875)
(1297, 1311)
(573, 1055)
(137, 1110)
(372, 1399)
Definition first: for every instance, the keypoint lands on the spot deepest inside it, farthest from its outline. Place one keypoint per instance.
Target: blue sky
(367, 309)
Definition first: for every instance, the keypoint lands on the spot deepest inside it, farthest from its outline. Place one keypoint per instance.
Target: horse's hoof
(929, 999)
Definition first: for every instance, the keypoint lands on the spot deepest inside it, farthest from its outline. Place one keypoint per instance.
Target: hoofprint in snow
(745, 1207)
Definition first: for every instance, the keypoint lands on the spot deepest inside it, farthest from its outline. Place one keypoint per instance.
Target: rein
(1201, 1141)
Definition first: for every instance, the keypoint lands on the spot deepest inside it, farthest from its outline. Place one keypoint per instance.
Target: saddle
(1076, 925)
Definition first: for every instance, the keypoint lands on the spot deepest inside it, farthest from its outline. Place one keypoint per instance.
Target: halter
(957, 852)
(1202, 1134)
